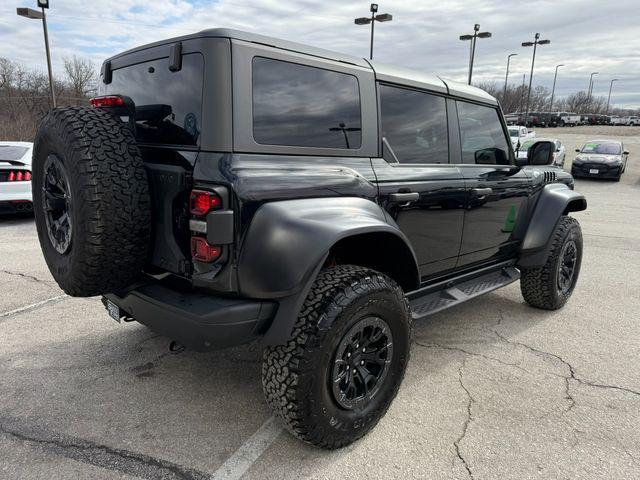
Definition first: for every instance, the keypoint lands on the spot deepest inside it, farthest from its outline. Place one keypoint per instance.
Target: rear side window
(414, 125)
(481, 134)
(168, 104)
(299, 105)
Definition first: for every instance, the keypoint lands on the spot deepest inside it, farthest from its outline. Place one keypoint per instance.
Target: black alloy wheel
(361, 362)
(567, 266)
(57, 204)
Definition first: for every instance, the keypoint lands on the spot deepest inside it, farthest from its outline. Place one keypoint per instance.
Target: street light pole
(533, 44)
(553, 90)
(506, 76)
(34, 14)
(383, 17)
(590, 86)
(473, 38)
(609, 98)
(46, 47)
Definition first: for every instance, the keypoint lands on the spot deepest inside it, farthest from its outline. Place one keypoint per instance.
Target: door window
(482, 136)
(414, 125)
(299, 105)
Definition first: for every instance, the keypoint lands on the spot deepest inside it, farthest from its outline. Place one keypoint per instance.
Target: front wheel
(336, 377)
(550, 286)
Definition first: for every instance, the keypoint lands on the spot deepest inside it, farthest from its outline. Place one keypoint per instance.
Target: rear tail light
(202, 202)
(107, 101)
(19, 176)
(202, 251)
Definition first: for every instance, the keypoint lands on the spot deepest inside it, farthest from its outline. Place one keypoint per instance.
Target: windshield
(513, 132)
(11, 153)
(603, 148)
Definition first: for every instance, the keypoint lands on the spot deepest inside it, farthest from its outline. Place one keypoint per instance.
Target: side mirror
(626, 152)
(577, 150)
(541, 153)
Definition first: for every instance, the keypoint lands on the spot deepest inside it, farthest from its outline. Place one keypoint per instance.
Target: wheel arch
(288, 243)
(555, 201)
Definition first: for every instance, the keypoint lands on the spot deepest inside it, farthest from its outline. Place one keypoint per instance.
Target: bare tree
(81, 76)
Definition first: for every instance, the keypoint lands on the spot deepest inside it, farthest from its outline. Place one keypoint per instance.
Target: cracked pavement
(494, 388)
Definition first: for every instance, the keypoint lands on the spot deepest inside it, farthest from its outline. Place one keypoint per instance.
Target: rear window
(299, 105)
(9, 153)
(168, 104)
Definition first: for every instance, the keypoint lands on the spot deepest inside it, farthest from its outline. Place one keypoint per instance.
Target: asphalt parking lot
(494, 389)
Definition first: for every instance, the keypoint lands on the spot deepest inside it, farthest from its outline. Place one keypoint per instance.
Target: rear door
(497, 190)
(418, 186)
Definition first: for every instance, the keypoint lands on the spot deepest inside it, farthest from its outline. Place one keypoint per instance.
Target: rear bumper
(198, 321)
(15, 191)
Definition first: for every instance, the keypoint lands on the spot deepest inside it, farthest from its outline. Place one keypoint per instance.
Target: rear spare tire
(91, 201)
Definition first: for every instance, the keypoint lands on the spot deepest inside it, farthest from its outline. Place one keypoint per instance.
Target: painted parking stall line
(33, 306)
(245, 456)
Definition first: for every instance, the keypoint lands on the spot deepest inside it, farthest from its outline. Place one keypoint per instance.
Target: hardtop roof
(383, 72)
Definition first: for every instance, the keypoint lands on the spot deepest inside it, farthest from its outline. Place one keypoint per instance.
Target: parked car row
(568, 119)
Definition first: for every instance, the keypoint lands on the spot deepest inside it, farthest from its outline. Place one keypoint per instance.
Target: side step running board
(456, 293)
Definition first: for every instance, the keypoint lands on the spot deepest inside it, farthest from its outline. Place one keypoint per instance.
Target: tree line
(24, 96)
(514, 99)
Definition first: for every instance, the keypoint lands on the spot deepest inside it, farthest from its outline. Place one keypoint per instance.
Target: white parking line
(32, 306)
(242, 459)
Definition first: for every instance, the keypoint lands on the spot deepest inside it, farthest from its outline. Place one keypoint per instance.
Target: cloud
(586, 36)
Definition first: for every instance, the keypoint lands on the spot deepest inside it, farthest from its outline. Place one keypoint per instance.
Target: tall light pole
(609, 98)
(473, 38)
(553, 90)
(524, 75)
(591, 86)
(34, 14)
(534, 44)
(383, 17)
(506, 76)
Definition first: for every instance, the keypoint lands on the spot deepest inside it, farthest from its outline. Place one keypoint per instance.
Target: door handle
(404, 197)
(481, 192)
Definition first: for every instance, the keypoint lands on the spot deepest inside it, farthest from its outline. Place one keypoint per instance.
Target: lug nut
(361, 362)
(348, 355)
(354, 370)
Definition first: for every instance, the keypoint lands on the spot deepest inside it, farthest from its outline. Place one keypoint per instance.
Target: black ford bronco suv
(227, 187)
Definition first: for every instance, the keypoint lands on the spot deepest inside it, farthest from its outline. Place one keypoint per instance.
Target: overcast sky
(586, 35)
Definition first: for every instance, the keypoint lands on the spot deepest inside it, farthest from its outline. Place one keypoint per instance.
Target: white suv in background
(632, 120)
(15, 177)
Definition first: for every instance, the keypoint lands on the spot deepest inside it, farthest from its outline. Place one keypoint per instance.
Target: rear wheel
(550, 286)
(91, 200)
(336, 377)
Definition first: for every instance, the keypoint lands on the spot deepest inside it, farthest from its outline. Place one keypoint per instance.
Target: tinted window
(415, 125)
(168, 104)
(304, 106)
(481, 134)
(10, 153)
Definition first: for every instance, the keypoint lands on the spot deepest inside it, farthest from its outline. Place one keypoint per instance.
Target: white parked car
(632, 120)
(616, 120)
(15, 177)
(569, 119)
(519, 134)
(558, 156)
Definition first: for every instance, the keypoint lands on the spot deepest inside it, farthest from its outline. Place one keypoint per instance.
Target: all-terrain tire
(296, 376)
(540, 286)
(108, 204)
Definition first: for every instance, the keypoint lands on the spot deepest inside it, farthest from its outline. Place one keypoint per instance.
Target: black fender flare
(287, 244)
(554, 200)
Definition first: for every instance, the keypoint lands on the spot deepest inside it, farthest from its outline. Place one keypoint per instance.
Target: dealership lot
(494, 389)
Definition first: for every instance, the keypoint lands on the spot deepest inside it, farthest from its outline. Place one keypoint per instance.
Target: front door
(497, 190)
(419, 188)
